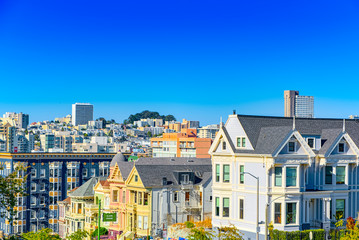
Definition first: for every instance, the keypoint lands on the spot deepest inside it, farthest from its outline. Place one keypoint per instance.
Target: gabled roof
(265, 133)
(86, 189)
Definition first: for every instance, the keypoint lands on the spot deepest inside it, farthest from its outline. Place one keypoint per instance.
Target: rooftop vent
(172, 159)
(190, 160)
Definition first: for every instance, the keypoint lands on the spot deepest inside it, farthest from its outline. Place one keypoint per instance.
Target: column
(334, 181)
(284, 176)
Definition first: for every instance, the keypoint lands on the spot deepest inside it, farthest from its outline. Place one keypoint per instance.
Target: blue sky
(194, 59)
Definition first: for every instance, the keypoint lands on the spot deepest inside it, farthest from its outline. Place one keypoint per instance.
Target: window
(241, 209)
(341, 147)
(115, 196)
(328, 175)
(42, 187)
(175, 196)
(243, 142)
(93, 172)
(278, 177)
(340, 208)
(42, 172)
(225, 207)
(218, 169)
(145, 199)
(33, 173)
(291, 177)
(84, 172)
(278, 213)
(145, 222)
(51, 172)
(187, 196)
(226, 173)
(56, 172)
(140, 198)
(310, 142)
(123, 196)
(224, 147)
(69, 172)
(291, 146)
(33, 200)
(239, 142)
(185, 178)
(135, 197)
(217, 206)
(241, 174)
(291, 213)
(42, 200)
(136, 178)
(139, 222)
(340, 175)
(33, 186)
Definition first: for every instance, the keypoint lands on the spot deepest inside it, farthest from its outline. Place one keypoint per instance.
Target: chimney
(234, 112)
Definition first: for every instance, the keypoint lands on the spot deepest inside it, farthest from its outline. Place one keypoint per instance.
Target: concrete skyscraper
(81, 113)
(298, 106)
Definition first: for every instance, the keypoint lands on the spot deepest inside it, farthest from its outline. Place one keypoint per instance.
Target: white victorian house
(307, 169)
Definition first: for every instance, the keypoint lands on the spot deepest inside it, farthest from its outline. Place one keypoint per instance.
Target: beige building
(289, 102)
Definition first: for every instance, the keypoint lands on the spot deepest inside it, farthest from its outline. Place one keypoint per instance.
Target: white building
(307, 169)
(81, 113)
(209, 131)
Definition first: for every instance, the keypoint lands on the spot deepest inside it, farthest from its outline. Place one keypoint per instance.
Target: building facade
(307, 169)
(51, 176)
(82, 113)
(184, 144)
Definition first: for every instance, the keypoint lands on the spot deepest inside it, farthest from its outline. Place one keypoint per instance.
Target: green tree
(110, 133)
(149, 134)
(200, 234)
(78, 235)
(229, 233)
(43, 234)
(103, 231)
(12, 186)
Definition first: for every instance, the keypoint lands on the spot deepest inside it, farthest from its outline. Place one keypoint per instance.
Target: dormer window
(341, 147)
(241, 142)
(185, 178)
(310, 142)
(224, 146)
(291, 147)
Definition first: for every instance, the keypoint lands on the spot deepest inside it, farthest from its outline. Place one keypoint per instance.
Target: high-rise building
(304, 106)
(289, 102)
(81, 113)
(18, 120)
(298, 106)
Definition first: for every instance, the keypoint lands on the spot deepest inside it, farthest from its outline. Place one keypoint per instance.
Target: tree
(200, 234)
(78, 235)
(12, 186)
(149, 134)
(229, 233)
(43, 234)
(110, 133)
(103, 231)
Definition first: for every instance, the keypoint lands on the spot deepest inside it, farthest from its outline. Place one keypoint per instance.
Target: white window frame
(295, 146)
(313, 142)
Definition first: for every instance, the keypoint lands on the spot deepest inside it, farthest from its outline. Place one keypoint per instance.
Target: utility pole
(99, 219)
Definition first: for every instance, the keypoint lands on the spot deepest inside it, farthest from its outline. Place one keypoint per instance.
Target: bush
(103, 231)
(189, 224)
(318, 234)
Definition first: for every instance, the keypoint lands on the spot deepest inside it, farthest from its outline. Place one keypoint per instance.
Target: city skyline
(128, 57)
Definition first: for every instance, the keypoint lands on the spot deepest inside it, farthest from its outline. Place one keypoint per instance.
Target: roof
(153, 170)
(86, 189)
(118, 158)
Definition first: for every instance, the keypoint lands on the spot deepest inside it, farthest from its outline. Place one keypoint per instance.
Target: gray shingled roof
(86, 189)
(261, 128)
(153, 170)
(118, 158)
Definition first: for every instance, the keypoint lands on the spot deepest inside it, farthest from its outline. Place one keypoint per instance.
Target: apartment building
(17, 120)
(81, 113)
(307, 170)
(8, 137)
(209, 131)
(51, 176)
(184, 144)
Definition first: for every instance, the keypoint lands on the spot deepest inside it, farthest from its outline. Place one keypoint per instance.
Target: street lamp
(266, 212)
(257, 222)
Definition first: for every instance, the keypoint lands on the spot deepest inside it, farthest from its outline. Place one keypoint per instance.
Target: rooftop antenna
(344, 125)
(293, 122)
(221, 123)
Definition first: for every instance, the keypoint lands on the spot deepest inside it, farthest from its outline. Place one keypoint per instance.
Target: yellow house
(138, 206)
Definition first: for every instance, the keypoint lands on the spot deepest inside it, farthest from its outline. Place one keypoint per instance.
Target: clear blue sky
(194, 59)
